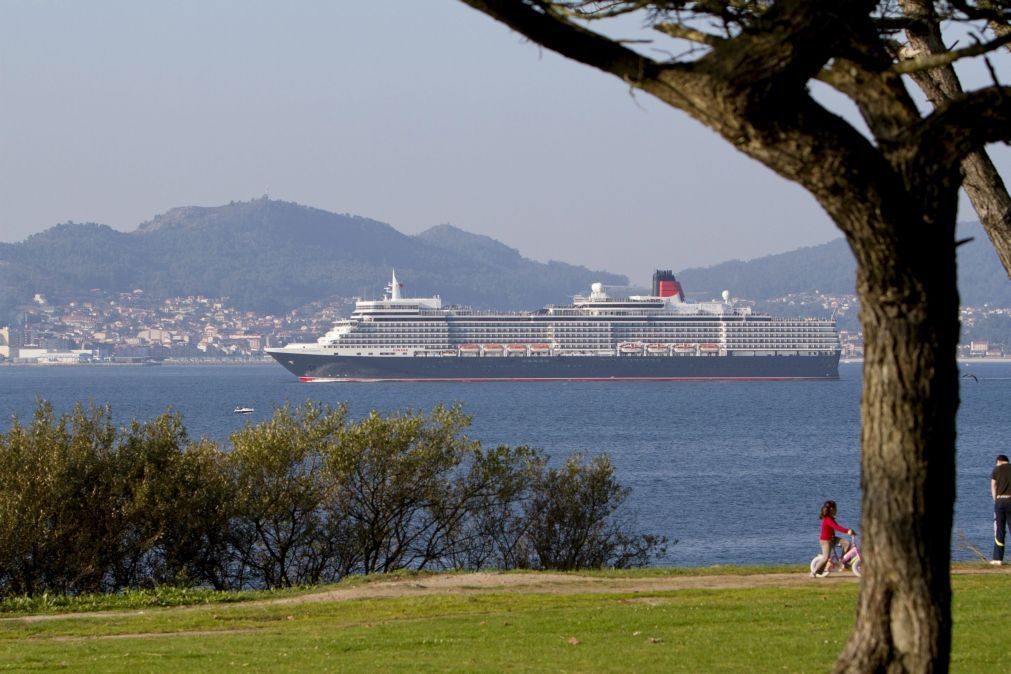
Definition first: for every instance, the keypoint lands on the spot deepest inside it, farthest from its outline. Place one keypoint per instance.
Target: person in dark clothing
(1000, 491)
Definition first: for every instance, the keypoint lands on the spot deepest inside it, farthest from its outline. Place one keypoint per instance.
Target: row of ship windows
(591, 331)
(606, 343)
(485, 319)
(624, 329)
(599, 325)
(531, 337)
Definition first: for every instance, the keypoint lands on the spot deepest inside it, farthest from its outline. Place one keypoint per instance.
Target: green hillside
(271, 256)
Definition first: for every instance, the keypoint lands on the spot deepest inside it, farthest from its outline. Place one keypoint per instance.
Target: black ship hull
(322, 367)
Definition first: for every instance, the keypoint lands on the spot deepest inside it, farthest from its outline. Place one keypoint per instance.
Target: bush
(392, 488)
(572, 519)
(279, 531)
(306, 497)
(86, 508)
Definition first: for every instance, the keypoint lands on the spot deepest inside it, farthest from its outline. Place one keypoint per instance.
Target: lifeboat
(684, 348)
(656, 348)
(630, 347)
(516, 349)
(492, 348)
(540, 348)
(470, 349)
(709, 348)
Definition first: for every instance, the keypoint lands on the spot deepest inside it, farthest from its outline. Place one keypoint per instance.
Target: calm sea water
(735, 470)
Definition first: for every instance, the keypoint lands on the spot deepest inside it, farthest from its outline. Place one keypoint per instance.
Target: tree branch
(880, 96)
(965, 124)
(930, 61)
(989, 197)
(681, 32)
(787, 45)
(537, 22)
(980, 177)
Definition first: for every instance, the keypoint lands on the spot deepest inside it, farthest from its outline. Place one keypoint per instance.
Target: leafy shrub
(572, 519)
(279, 531)
(304, 498)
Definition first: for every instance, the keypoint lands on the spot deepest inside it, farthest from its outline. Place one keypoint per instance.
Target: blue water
(735, 470)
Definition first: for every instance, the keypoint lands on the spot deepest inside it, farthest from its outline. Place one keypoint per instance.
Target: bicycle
(837, 561)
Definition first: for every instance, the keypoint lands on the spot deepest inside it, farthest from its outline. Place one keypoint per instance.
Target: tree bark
(909, 310)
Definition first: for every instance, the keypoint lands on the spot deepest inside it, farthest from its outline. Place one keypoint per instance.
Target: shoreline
(185, 362)
(960, 360)
(266, 360)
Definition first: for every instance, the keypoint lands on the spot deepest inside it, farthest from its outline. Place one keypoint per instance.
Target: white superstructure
(644, 326)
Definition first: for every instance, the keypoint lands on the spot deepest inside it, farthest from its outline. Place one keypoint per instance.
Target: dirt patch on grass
(555, 583)
(154, 635)
(532, 582)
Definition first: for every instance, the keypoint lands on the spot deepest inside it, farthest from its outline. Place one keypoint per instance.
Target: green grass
(794, 629)
(134, 599)
(171, 596)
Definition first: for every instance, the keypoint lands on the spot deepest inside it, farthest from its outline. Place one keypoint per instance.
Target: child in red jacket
(828, 538)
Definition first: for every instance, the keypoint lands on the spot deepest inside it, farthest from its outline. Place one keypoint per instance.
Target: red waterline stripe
(328, 380)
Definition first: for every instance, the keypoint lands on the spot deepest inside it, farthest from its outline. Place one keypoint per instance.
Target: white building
(48, 357)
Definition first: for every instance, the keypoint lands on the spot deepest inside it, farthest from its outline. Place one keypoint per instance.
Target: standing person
(1000, 491)
(828, 538)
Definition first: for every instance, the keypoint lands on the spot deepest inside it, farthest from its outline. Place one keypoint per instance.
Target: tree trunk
(909, 312)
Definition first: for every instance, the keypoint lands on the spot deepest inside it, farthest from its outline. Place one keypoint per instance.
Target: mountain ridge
(272, 256)
(831, 268)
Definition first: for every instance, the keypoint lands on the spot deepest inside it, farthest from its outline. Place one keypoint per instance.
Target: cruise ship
(598, 337)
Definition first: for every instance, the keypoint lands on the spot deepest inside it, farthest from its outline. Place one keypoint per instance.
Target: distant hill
(271, 256)
(831, 268)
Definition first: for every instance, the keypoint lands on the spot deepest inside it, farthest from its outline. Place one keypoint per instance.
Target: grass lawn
(798, 627)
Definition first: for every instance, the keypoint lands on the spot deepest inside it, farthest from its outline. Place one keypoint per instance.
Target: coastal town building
(5, 343)
(106, 327)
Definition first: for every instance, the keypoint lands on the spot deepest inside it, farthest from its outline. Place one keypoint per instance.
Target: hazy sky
(412, 113)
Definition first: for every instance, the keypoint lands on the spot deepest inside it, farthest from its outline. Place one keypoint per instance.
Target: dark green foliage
(280, 534)
(393, 488)
(186, 505)
(306, 497)
(498, 483)
(61, 506)
(571, 519)
(87, 508)
(273, 256)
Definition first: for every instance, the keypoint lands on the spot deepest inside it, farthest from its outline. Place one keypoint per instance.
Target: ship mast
(394, 287)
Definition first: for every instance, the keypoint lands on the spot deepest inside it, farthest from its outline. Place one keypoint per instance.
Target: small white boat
(240, 409)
